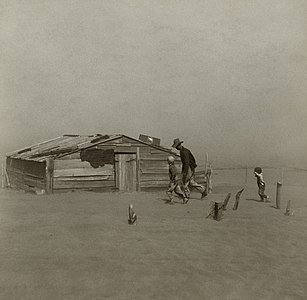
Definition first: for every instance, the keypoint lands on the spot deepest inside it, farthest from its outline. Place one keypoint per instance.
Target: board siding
(85, 184)
(74, 174)
(70, 173)
(25, 174)
(82, 172)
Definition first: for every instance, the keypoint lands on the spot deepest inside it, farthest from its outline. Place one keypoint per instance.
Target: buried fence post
(216, 215)
(278, 192)
(7, 182)
(288, 209)
(2, 176)
(216, 210)
(226, 201)
(238, 195)
(132, 218)
(208, 178)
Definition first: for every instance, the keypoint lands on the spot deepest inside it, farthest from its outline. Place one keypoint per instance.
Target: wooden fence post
(49, 175)
(278, 192)
(7, 182)
(288, 209)
(216, 210)
(238, 195)
(208, 178)
(138, 170)
(226, 201)
(2, 177)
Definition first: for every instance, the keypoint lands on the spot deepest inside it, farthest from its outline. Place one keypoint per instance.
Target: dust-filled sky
(228, 77)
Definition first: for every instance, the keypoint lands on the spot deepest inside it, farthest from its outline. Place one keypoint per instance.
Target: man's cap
(176, 142)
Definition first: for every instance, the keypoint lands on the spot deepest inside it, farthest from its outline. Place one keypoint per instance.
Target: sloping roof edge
(56, 146)
(153, 146)
(118, 137)
(31, 146)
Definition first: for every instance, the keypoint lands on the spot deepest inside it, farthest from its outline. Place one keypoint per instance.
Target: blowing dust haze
(228, 77)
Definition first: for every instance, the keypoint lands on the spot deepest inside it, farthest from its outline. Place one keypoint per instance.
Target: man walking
(188, 170)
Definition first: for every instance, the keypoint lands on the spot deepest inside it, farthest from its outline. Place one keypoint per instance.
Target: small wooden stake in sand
(226, 201)
(7, 178)
(278, 191)
(238, 195)
(131, 215)
(208, 176)
(288, 209)
(216, 210)
(2, 176)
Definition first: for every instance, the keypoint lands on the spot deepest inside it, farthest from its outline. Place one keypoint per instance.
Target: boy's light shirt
(260, 176)
(172, 171)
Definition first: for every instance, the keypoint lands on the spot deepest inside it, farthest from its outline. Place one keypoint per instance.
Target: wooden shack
(97, 163)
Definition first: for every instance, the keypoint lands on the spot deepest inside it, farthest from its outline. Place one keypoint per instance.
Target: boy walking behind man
(173, 183)
(188, 170)
(261, 184)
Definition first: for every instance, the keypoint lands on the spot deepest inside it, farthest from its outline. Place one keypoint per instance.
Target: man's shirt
(188, 160)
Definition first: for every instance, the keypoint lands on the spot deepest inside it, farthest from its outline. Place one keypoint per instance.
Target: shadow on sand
(273, 206)
(167, 201)
(256, 200)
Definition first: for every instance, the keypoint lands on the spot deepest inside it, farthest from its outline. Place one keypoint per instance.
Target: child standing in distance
(173, 184)
(261, 184)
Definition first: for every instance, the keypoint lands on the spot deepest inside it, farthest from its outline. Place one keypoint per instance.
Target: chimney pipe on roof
(149, 139)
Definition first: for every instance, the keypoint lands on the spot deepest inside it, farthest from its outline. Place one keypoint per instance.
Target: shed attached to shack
(97, 163)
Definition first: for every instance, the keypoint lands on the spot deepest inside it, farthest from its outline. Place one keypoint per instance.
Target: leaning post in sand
(226, 201)
(238, 195)
(7, 182)
(288, 209)
(210, 185)
(207, 174)
(208, 178)
(217, 210)
(278, 192)
(2, 176)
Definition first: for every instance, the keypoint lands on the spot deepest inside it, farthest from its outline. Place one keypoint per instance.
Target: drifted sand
(79, 246)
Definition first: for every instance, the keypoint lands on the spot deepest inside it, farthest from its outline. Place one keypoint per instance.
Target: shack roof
(67, 144)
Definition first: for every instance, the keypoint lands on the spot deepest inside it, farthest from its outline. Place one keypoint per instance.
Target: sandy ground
(79, 246)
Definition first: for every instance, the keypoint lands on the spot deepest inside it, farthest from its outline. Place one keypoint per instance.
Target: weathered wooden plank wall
(152, 171)
(25, 174)
(154, 167)
(70, 173)
(152, 162)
